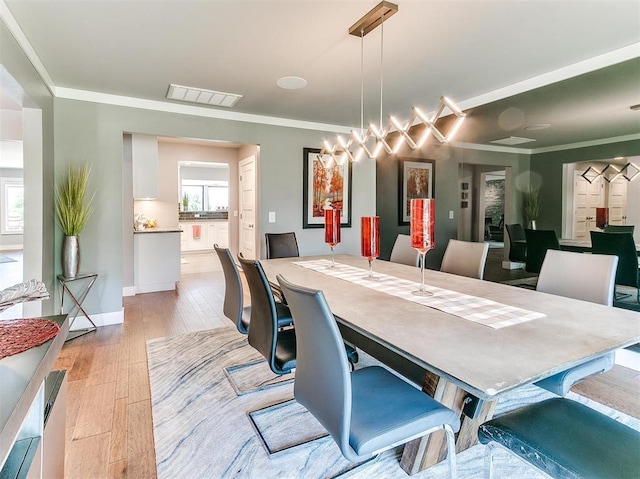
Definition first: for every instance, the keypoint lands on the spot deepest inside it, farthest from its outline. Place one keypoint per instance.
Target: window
(205, 195)
(12, 206)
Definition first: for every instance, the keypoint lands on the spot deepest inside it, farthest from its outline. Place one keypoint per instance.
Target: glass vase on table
(332, 229)
(423, 234)
(370, 241)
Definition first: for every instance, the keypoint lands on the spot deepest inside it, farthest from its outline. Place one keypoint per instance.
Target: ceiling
(510, 65)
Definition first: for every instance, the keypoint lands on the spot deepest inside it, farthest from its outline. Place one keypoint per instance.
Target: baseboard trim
(99, 319)
(152, 288)
(129, 291)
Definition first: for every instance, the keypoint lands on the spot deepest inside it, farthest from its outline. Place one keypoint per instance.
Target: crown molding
(586, 144)
(133, 102)
(12, 25)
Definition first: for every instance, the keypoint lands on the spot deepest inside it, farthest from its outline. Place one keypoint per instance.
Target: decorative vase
(332, 229)
(70, 256)
(423, 239)
(532, 224)
(370, 241)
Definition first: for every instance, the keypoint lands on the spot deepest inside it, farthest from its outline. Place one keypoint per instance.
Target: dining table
(581, 245)
(468, 343)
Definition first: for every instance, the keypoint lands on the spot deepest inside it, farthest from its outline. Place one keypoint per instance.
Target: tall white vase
(70, 256)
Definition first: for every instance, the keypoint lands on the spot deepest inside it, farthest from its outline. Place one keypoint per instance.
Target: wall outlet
(272, 216)
(450, 214)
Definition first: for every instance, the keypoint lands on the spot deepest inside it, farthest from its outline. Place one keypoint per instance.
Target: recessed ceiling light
(291, 83)
(539, 126)
(511, 140)
(199, 95)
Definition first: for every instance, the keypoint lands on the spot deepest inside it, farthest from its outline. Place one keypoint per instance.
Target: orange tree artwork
(328, 188)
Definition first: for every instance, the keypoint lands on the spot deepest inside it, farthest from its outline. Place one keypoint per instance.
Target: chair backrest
(623, 246)
(538, 242)
(281, 245)
(589, 277)
(619, 229)
(264, 320)
(323, 381)
(517, 242)
(402, 251)
(465, 258)
(516, 232)
(233, 294)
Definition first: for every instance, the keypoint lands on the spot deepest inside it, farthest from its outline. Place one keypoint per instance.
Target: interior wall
(39, 162)
(547, 169)
(94, 132)
(10, 241)
(450, 161)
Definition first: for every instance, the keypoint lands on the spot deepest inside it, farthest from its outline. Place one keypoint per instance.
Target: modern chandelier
(371, 142)
(629, 172)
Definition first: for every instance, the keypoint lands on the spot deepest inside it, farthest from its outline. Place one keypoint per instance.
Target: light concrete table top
(483, 361)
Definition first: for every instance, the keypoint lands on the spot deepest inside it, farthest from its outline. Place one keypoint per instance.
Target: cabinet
(144, 158)
(210, 232)
(156, 260)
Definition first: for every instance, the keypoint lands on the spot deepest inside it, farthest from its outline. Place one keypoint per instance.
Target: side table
(87, 281)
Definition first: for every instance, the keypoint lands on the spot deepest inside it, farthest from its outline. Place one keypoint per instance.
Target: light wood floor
(109, 427)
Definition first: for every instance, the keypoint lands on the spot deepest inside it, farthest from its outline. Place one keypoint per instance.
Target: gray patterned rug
(202, 428)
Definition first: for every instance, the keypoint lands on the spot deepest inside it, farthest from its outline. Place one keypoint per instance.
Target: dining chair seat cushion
(284, 315)
(285, 356)
(568, 440)
(386, 409)
(561, 383)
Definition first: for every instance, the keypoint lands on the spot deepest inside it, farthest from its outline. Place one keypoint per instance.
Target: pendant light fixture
(373, 141)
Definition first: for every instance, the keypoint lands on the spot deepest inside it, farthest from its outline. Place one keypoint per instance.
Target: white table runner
(472, 308)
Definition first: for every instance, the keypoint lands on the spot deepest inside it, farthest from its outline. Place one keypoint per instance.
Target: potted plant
(185, 202)
(532, 206)
(73, 210)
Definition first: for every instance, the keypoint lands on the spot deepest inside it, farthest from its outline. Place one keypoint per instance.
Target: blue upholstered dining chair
(366, 411)
(588, 277)
(465, 258)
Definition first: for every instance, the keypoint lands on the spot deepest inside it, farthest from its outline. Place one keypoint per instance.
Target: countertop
(158, 230)
(21, 376)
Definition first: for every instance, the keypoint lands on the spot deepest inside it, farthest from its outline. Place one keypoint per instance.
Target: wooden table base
(421, 453)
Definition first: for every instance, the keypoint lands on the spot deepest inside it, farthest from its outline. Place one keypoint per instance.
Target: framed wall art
(323, 188)
(416, 179)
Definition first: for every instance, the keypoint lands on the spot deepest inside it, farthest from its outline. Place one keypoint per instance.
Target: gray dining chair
(517, 243)
(465, 258)
(281, 245)
(233, 306)
(273, 340)
(619, 229)
(588, 277)
(366, 411)
(403, 253)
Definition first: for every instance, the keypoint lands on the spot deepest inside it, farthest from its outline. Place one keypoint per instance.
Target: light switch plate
(272, 216)
(450, 214)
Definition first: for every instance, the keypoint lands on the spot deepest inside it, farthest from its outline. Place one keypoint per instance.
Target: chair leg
(488, 462)
(451, 451)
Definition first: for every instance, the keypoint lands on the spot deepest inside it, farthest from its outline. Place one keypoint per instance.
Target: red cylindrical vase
(370, 236)
(423, 217)
(332, 226)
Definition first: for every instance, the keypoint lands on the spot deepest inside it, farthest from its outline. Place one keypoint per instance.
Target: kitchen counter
(156, 259)
(158, 230)
(22, 377)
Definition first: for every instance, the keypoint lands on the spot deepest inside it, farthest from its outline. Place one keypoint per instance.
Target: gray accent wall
(94, 132)
(547, 170)
(450, 162)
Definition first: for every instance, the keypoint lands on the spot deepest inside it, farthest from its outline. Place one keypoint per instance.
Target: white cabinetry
(144, 157)
(156, 261)
(201, 235)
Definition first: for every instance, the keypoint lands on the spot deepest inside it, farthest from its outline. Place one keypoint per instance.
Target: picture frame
(324, 186)
(416, 179)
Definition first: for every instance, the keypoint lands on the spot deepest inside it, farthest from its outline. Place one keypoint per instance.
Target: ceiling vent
(512, 140)
(205, 97)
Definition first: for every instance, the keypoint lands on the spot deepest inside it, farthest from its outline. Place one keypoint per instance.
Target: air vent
(512, 140)
(198, 95)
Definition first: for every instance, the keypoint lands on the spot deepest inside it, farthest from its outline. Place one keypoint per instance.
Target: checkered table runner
(472, 308)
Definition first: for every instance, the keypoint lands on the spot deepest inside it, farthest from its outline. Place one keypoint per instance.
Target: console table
(86, 282)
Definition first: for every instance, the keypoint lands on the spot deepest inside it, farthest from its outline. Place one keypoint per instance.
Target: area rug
(6, 259)
(202, 429)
